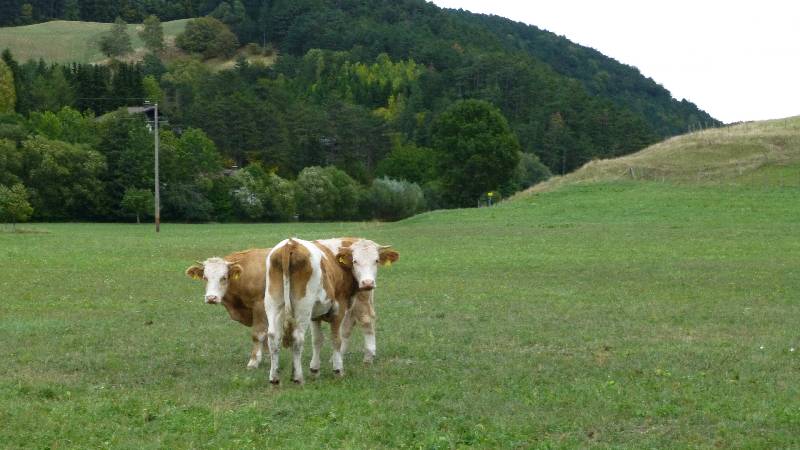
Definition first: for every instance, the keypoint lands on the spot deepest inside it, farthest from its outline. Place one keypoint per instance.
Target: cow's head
(363, 257)
(217, 274)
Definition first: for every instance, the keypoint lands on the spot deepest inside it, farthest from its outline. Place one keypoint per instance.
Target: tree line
(368, 106)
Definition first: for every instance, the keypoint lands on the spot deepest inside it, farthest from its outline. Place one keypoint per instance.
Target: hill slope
(67, 41)
(753, 153)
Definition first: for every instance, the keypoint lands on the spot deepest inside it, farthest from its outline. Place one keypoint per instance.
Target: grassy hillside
(66, 41)
(755, 153)
(622, 314)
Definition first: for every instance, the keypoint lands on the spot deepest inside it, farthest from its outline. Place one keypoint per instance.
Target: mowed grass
(624, 315)
(71, 41)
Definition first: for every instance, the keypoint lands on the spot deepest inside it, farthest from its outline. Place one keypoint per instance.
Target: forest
(371, 110)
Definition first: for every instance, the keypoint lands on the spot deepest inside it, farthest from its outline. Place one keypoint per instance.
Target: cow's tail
(288, 312)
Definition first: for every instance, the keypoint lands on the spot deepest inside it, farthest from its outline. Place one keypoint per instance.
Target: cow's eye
(376, 261)
(224, 278)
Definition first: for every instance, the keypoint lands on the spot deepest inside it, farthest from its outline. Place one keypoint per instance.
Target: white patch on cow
(369, 347)
(334, 245)
(365, 263)
(215, 273)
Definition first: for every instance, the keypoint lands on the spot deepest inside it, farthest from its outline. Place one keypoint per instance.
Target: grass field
(628, 314)
(66, 41)
(755, 154)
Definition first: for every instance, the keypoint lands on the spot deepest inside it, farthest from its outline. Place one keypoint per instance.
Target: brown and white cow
(237, 281)
(305, 284)
(361, 257)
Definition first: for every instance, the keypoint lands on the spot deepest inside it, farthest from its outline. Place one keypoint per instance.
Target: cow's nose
(212, 299)
(367, 284)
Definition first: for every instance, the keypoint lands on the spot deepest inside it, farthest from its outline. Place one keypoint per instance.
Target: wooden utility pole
(158, 196)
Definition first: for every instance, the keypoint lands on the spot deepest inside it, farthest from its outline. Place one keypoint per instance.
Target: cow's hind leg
(316, 338)
(274, 336)
(298, 338)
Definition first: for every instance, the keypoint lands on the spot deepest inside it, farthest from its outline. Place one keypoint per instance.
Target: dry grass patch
(745, 154)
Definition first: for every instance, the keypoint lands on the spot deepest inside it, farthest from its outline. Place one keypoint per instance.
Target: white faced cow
(237, 282)
(361, 257)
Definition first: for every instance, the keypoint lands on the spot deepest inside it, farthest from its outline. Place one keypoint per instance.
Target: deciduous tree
(476, 150)
(14, 206)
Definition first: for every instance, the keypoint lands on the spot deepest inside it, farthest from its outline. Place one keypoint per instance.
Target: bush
(14, 206)
(530, 171)
(408, 162)
(116, 42)
(137, 202)
(260, 195)
(326, 194)
(389, 199)
(208, 37)
(184, 201)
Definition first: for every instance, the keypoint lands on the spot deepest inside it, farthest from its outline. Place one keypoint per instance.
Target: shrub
(259, 195)
(14, 206)
(530, 171)
(116, 42)
(389, 199)
(185, 201)
(326, 194)
(208, 37)
(137, 202)
(408, 162)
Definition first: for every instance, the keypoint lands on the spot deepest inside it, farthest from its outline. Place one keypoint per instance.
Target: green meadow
(71, 41)
(622, 314)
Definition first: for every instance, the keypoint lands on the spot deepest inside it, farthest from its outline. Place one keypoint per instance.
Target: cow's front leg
(369, 340)
(336, 344)
(259, 334)
(346, 330)
(274, 335)
(316, 338)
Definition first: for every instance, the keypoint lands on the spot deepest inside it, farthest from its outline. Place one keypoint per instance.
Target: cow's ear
(345, 258)
(234, 271)
(388, 255)
(195, 271)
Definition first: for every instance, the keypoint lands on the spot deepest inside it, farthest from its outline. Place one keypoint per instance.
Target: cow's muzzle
(212, 299)
(366, 285)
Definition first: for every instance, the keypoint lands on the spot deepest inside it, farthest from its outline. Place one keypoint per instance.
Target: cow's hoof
(297, 382)
(313, 371)
(252, 365)
(368, 359)
(275, 382)
(338, 373)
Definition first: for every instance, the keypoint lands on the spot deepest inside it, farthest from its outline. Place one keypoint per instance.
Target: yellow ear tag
(235, 276)
(341, 259)
(195, 277)
(388, 263)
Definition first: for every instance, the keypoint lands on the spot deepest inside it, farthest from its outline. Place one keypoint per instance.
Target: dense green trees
(8, 95)
(64, 179)
(370, 110)
(476, 151)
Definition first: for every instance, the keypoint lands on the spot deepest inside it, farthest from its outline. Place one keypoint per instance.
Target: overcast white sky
(737, 60)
